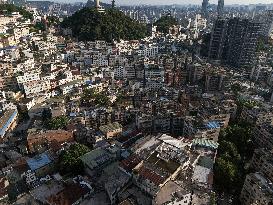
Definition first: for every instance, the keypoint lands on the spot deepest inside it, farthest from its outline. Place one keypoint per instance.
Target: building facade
(234, 41)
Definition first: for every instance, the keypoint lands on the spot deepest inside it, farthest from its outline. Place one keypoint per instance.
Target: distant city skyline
(169, 2)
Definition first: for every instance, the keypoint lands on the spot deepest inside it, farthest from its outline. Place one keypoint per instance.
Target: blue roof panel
(38, 161)
(212, 125)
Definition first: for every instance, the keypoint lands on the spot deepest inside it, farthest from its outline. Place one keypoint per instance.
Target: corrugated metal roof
(205, 143)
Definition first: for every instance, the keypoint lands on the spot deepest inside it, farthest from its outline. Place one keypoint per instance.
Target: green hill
(164, 23)
(10, 8)
(90, 25)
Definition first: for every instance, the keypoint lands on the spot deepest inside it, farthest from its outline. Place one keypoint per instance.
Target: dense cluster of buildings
(151, 110)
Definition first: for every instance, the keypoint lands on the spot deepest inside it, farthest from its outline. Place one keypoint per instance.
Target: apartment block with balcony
(262, 160)
(257, 189)
(263, 135)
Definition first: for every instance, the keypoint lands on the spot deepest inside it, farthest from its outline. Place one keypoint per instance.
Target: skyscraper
(220, 8)
(98, 6)
(234, 41)
(217, 39)
(268, 23)
(241, 42)
(205, 4)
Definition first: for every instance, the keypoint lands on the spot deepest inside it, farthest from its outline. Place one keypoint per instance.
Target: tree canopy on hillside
(90, 25)
(10, 8)
(164, 23)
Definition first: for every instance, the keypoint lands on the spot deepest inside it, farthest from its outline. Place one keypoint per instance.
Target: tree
(56, 123)
(236, 88)
(234, 152)
(229, 151)
(52, 20)
(249, 104)
(88, 95)
(70, 161)
(102, 100)
(90, 25)
(10, 8)
(240, 135)
(40, 26)
(225, 174)
(23, 114)
(46, 115)
(165, 22)
(213, 199)
(97, 99)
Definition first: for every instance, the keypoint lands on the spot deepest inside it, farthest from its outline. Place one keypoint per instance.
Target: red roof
(130, 163)
(76, 72)
(68, 196)
(151, 175)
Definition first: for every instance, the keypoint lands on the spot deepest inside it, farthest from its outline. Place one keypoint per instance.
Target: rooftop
(166, 193)
(44, 191)
(130, 163)
(166, 166)
(110, 127)
(147, 173)
(5, 117)
(69, 195)
(115, 181)
(202, 175)
(212, 125)
(264, 183)
(205, 161)
(38, 161)
(96, 158)
(205, 143)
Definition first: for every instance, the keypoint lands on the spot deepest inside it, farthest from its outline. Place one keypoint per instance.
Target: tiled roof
(151, 175)
(130, 163)
(59, 136)
(68, 196)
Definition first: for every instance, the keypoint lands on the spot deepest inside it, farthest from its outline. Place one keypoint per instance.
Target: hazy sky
(134, 2)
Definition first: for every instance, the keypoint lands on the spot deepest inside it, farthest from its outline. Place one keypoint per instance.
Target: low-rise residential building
(115, 184)
(8, 121)
(36, 87)
(162, 165)
(41, 164)
(70, 192)
(111, 130)
(96, 160)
